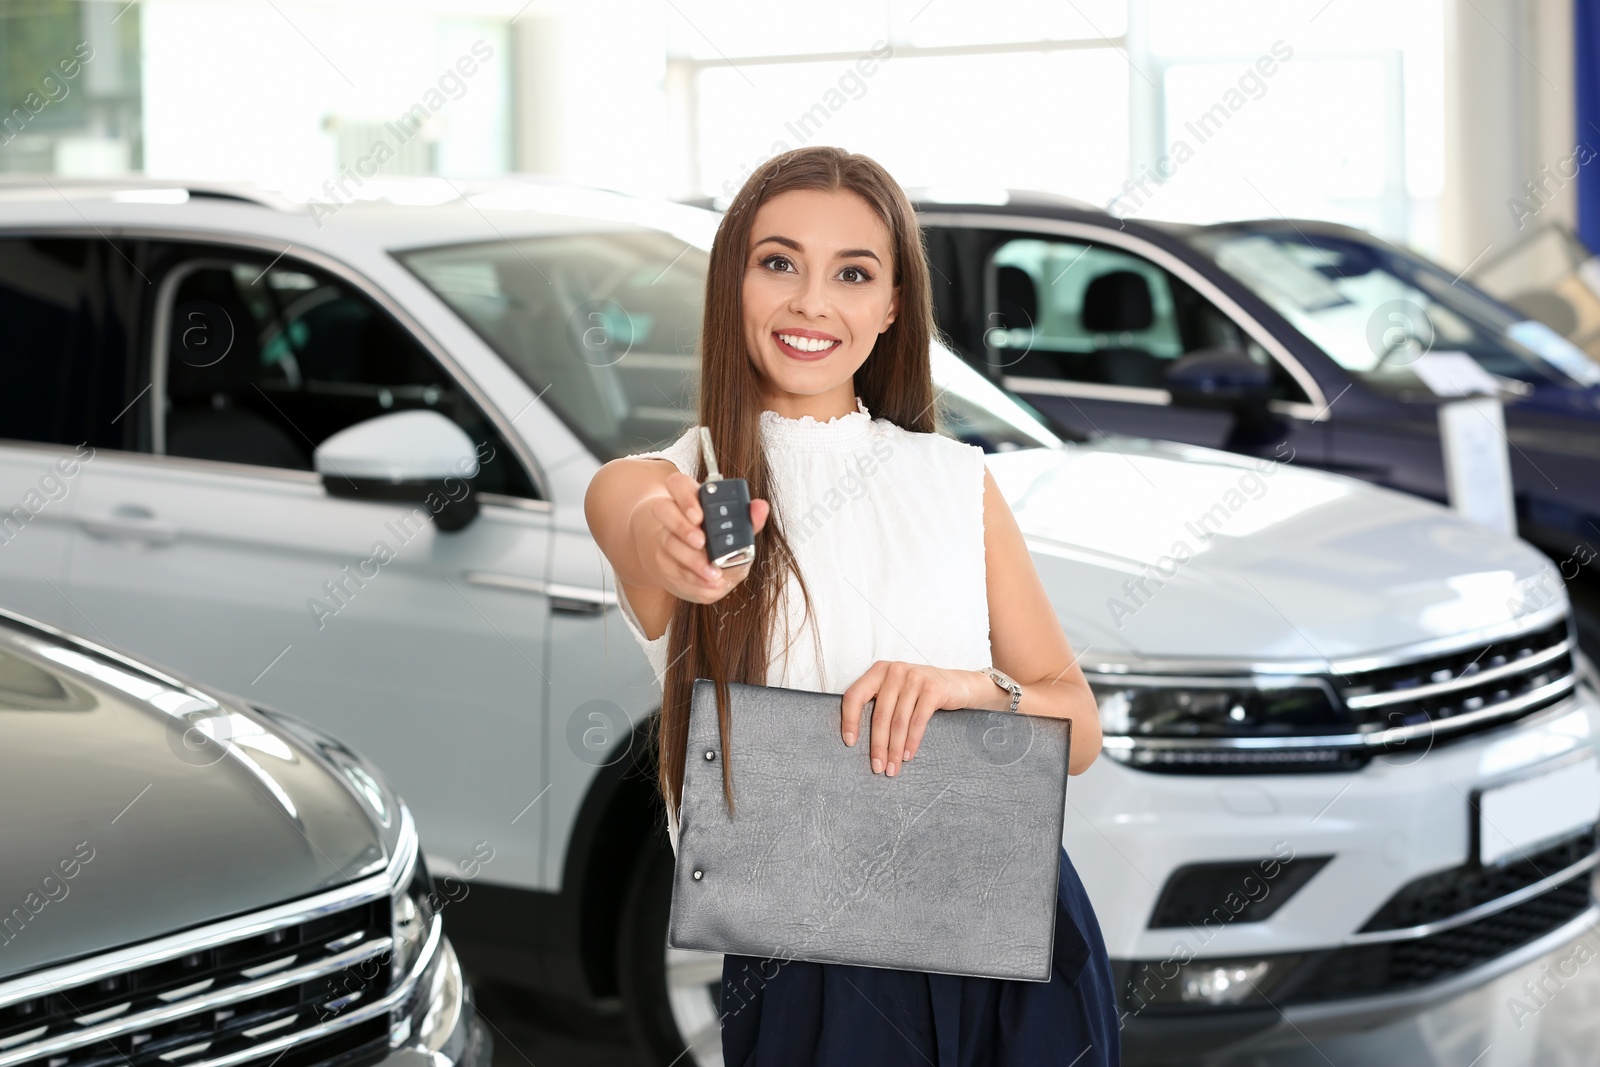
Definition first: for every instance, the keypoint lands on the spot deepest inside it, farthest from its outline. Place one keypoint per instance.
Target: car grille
(1193, 758)
(230, 1003)
(1473, 688)
(1373, 970)
(1434, 897)
(1416, 705)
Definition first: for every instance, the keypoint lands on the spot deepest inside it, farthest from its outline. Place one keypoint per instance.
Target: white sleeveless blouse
(886, 525)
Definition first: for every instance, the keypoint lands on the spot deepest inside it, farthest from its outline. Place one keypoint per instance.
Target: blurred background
(1449, 125)
(1466, 130)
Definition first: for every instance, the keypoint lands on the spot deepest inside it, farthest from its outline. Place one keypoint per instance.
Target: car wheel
(669, 994)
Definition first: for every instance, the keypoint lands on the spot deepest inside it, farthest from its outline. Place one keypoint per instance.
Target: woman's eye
(859, 275)
(777, 263)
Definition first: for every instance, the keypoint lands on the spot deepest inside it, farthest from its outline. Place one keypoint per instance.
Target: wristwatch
(1006, 682)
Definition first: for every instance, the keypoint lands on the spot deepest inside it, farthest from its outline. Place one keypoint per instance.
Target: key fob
(725, 511)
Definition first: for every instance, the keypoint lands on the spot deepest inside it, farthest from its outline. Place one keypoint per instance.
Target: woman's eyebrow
(844, 253)
(786, 242)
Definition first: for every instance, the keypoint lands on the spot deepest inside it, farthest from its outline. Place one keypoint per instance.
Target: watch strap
(1006, 682)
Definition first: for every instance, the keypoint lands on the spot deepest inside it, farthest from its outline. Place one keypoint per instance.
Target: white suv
(337, 463)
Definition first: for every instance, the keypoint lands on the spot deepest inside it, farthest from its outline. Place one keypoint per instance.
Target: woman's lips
(798, 353)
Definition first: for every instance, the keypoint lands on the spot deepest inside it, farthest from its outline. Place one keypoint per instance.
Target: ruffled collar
(806, 434)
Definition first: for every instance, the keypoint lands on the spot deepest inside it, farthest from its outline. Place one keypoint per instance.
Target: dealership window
(418, 88)
(72, 82)
(1028, 95)
(1219, 110)
(1302, 110)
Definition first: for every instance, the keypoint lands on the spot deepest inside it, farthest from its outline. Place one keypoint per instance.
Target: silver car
(191, 882)
(334, 458)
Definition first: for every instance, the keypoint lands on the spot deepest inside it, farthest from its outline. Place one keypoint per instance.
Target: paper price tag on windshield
(1454, 374)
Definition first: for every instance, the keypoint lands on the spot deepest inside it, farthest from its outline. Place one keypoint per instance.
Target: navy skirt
(794, 1013)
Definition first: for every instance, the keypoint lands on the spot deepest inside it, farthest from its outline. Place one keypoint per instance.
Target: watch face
(1005, 682)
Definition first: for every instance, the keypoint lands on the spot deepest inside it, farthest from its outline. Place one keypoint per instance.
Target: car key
(725, 513)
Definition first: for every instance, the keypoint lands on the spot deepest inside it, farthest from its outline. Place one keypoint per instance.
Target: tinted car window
(64, 366)
(602, 325)
(266, 361)
(1074, 311)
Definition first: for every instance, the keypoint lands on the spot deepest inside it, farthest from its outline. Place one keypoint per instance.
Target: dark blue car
(1292, 339)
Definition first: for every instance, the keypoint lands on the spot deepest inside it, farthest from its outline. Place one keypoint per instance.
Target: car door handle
(585, 602)
(130, 522)
(567, 599)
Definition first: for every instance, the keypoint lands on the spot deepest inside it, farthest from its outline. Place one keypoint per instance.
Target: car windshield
(1377, 310)
(603, 326)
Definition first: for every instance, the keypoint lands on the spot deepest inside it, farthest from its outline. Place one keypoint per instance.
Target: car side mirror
(417, 457)
(1222, 378)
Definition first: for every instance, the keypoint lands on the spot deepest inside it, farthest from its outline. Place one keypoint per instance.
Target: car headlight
(444, 999)
(1251, 724)
(1224, 707)
(413, 908)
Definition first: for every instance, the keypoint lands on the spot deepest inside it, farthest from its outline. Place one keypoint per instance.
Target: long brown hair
(729, 640)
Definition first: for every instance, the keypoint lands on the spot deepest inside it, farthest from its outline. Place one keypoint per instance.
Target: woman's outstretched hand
(907, 695)
(672, 546)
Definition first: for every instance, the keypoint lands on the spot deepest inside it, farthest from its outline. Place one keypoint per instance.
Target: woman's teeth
(806, 344)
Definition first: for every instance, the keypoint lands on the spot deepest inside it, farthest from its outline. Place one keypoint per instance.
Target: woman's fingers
(684, 569)
(906, 697)
(671, 544)
(680, 548)
(670, 517)
(905, 708)
(683, 555)
(686, 555)
(927, 704)
(854, 700)
(686, 494)
(694, 580)
(883, 713)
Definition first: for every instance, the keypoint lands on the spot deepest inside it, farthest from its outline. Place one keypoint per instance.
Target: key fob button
(727, 525)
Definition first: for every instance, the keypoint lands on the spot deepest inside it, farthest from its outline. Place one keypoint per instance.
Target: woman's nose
(811, 299)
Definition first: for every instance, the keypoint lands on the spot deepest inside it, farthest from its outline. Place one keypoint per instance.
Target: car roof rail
(141, 189)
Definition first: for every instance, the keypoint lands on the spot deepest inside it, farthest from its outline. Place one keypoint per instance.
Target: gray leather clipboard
(949, 867)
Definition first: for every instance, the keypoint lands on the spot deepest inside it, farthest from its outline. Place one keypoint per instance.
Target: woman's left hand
(907, 695)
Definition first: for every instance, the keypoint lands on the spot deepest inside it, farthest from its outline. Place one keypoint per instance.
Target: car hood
(122, 825)
(1164, 551)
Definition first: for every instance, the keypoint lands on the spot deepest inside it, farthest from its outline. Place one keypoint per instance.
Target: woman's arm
(645, 515)
(1026, 640)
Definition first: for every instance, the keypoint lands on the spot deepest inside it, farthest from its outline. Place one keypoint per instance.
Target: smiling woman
(842, 284)
(915, 592)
